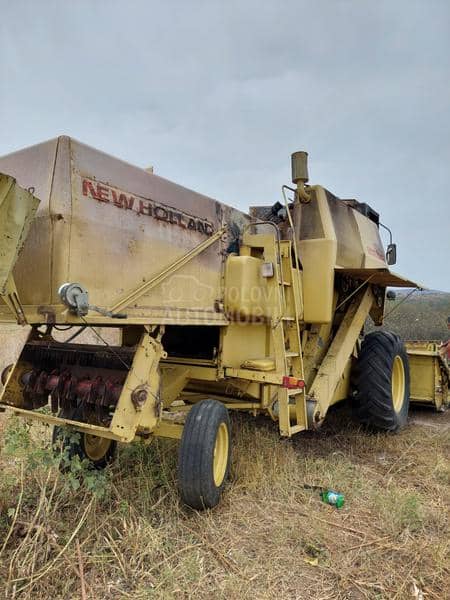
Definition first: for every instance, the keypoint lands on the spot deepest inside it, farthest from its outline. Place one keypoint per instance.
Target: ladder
(287, 312)
(287, 345)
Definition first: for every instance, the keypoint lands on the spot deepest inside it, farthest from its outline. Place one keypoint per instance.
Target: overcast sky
(218, 94)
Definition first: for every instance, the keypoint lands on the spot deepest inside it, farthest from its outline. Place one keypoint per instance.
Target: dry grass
(269, 538)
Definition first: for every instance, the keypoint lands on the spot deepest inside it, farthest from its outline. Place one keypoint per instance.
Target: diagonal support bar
(175, 266)
(335, 361)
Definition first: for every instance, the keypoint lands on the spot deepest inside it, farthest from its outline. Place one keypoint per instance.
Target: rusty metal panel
(33, 168)
(17, 209)
(112, 226)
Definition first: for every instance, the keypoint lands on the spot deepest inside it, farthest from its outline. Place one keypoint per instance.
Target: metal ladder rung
(297, 428)
(295, 391)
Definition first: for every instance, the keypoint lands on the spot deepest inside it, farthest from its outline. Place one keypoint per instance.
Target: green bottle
(334, 498)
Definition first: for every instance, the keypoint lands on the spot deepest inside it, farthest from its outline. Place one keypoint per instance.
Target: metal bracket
(76, 298)
(139, 403)
(11, 299)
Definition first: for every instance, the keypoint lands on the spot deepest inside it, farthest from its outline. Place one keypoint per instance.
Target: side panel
(430, 374)
(128, 225)
(318, 252)
(111, 227)
(422, 373)
(33, 167)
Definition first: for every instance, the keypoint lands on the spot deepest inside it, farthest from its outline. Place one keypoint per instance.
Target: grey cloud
(217, 95)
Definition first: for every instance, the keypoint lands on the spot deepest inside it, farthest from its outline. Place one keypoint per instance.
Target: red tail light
(292, 383)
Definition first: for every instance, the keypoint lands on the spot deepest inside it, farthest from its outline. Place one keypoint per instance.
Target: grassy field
(126, 535)
(418, 316)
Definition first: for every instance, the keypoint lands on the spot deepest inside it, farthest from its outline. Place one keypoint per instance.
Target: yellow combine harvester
(217, 310)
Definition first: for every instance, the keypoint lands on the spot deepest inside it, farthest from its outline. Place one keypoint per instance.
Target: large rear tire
(204, 454)
(382, 376)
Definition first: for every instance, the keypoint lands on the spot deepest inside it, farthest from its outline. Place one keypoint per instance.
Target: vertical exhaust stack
(299, 165)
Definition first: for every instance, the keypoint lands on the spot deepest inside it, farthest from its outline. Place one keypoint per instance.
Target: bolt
(139, 397)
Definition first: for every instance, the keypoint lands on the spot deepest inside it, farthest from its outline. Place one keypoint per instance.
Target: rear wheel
(99, 451)
(382, 400)
(204, 455)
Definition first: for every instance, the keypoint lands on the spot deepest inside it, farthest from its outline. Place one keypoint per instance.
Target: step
(296, 429)
(259, 364)
(291, 354)
(295, 391)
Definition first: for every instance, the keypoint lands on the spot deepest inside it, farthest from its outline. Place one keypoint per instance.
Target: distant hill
(422, 316)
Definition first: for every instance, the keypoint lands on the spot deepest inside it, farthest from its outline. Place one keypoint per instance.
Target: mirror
(391, 254)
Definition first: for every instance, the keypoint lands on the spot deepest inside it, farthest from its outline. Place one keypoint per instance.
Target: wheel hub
(96, 447)
(398, 383)
(220, 454)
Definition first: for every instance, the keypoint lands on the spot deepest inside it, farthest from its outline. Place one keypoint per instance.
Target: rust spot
(48, 312)
(139, 396)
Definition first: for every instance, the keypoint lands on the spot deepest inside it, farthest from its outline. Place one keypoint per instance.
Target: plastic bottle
(334, 498)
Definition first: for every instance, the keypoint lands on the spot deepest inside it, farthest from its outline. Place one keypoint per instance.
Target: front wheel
(204, 454)
(98, 451)
(382, 400)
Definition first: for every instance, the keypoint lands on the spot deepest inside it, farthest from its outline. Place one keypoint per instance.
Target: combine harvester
(217, 310)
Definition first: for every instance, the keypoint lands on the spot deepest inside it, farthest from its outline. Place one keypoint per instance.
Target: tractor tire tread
(195, 461)
(373, 402)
